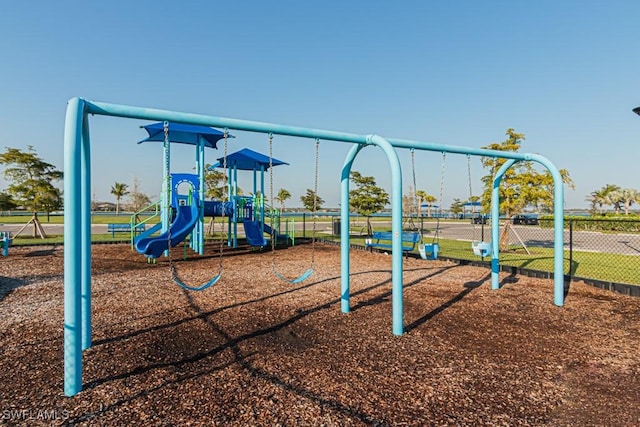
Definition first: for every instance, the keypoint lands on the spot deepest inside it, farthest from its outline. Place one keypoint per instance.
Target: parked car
(479, 219)
(524, 219)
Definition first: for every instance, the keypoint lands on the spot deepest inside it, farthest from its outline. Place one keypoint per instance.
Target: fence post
(304, 224)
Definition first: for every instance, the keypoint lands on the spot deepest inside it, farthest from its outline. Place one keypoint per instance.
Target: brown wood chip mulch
(254, 350)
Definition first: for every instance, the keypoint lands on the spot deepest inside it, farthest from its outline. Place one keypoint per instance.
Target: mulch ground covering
(254, 350)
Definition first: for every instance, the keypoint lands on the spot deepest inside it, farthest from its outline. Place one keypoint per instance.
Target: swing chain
(172, 269)
(436, 236)
(469, 175)
(273, 237)
(415, 185)
(442, 169)
(315, 205)
(224, 201)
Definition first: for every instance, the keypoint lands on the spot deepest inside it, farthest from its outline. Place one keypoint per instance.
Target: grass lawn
(599, 266)
(607, 267)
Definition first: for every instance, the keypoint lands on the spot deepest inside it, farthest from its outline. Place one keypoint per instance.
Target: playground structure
(257, 217)
(190, 208)
(77, 191)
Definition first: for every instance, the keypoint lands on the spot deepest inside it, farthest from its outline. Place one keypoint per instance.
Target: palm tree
(628, 196)
(119, 190)
(430, 200)
(283, 196)
(614, 198)
(420, 195)
(607, 195)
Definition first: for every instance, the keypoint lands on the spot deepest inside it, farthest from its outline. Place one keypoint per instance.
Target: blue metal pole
(495, 224)
(345, 260)
(72, 247)
(397, 298)
(558, 225)
(558, 229)
(107, 109)
(255, 181)
(85, 239)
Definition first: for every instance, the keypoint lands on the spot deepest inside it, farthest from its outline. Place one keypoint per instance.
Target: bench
(382, 240)
(124, 228)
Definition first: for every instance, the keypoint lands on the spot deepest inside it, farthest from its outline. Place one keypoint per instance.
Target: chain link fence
(604, 253)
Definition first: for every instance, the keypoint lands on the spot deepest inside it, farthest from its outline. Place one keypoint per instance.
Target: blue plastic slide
(253, 233)
(180, 228)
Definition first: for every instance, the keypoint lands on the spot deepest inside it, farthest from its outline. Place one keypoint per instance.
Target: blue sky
(564, 73)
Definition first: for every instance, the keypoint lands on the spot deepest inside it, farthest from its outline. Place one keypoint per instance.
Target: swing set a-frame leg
(504, 238)
(38, 230)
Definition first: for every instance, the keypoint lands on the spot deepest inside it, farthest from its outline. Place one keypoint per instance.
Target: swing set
(77, 212)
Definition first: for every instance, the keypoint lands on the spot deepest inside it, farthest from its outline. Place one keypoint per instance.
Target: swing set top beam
(117, 110)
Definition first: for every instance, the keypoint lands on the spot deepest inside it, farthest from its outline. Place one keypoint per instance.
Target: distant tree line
(610, 195)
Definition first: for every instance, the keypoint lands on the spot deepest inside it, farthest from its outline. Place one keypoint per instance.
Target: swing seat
(429, 251)
(202, 287)
(297, 280)
(481, 248)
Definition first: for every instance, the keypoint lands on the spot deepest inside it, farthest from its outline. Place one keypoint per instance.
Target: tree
(521, 185)
(139, 200)
(308, 201)
(119, 190)
(51, 201)
(367, 198)
(423, 197)
(623, 198)
(6, 202)
(31, 183)
(429, 200)
(410, 205)
(283, 196)
(215, 184)
(457, 207)
(600, 198)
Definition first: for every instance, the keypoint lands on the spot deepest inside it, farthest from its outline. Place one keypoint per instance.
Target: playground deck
(254, 350)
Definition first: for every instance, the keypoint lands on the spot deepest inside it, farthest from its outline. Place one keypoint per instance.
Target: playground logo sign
(34, 414)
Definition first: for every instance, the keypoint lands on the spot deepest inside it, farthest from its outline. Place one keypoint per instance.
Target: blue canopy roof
(184, 134)
(247, 159)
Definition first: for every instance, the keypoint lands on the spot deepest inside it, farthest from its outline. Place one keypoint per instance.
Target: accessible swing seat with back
(306, 274)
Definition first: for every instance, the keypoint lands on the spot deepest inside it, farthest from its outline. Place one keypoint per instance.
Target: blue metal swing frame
(77, 218)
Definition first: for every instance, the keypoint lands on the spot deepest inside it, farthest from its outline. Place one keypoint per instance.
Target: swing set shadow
(231, 343)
